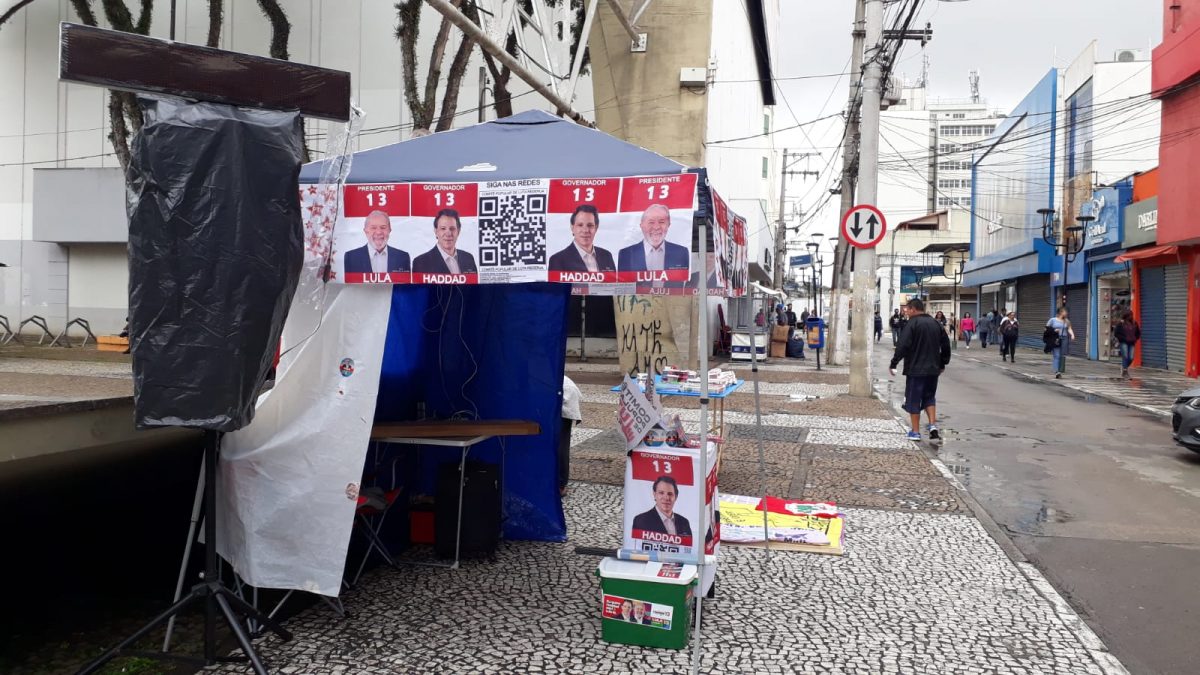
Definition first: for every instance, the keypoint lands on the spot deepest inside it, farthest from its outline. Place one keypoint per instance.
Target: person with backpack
(1010, 330)
(878, 326)
(1056, 338)
(968, 328)
(985, 328)
(1128, 332)
(925, 349)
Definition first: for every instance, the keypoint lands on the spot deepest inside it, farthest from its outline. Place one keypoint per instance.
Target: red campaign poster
(658, 212)
(446, 217)
(583, 230)
(367, 252)
(651, 465)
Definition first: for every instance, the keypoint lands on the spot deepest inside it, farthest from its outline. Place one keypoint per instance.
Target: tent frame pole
(762, 462)
(699, 536)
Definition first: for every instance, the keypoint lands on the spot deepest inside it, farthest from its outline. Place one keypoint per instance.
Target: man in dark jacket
(925, 349)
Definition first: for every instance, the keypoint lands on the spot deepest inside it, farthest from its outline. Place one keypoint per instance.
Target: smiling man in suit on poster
(654, 252)
(582, 255)
(376, 256)
(445, 258)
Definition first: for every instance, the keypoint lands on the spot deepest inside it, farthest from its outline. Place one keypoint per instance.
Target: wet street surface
(1096, 495)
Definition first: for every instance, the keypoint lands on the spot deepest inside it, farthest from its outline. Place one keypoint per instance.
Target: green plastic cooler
(647, 604)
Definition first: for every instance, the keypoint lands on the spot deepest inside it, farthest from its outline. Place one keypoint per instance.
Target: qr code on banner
(512, 230)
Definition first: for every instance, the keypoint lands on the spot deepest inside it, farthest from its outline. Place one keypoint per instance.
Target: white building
(925, 191)
(62, 221)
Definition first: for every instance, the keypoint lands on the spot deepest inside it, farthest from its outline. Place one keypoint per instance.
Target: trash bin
(646, 603)
(815, 328)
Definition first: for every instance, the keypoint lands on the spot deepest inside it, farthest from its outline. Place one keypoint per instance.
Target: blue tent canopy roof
(532, 144)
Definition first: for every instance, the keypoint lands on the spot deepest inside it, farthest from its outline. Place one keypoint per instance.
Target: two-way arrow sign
(864, 226)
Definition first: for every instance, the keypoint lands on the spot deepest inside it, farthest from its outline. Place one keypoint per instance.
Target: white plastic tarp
(288, 482)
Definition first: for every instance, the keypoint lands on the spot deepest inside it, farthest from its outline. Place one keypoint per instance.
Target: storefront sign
(1141, 222)
(1106, 228)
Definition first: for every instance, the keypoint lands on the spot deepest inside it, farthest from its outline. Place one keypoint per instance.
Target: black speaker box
(481, 510)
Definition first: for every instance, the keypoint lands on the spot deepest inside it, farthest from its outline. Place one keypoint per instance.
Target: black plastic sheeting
(215, 250)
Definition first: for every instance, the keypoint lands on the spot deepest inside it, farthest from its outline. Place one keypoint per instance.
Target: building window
(954, 183)
(766, 167)
(766, 124)
(947, 148)
(959, 116)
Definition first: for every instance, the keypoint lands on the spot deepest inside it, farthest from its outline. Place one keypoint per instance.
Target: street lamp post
(1070, 243)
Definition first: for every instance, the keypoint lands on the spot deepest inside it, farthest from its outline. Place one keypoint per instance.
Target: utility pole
(861, 383)
(836, 349)
(781, 227)
(780, 224)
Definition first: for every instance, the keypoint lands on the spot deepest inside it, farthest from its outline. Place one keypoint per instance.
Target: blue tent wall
(495, 352)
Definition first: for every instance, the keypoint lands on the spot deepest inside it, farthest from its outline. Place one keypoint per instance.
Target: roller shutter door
(1078, 304)
(1176, 296)
(1154, 326)
(1033, 309)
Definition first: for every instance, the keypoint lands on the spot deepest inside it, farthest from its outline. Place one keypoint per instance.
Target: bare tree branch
(216, 16)
(118, 15)
(434, 74)
(119, 135)
(13, 10)
(143, 23)
(281, 28)
(408, 14)
(84, 9)
(458, 69)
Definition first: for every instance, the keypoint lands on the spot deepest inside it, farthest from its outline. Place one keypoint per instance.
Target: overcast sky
(1012, 43)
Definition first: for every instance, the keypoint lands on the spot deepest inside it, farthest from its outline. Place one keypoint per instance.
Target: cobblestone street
(922, 588)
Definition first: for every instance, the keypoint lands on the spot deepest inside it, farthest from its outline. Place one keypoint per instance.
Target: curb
(1088, 639)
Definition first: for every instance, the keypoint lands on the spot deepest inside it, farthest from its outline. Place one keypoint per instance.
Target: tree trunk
(216, 16)
(458, 69)
(281, 32)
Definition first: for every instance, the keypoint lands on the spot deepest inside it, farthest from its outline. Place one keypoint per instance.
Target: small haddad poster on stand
(661, 499)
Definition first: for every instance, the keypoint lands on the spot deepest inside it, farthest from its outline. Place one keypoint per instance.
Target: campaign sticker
(346, 368)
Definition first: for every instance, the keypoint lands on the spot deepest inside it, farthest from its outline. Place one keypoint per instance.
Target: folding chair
(373, 507)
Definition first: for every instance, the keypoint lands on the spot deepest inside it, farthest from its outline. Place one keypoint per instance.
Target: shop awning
(1143, 253)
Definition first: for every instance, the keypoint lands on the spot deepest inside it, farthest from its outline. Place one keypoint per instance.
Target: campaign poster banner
(661, 499)
(608, 236)
(632, 610)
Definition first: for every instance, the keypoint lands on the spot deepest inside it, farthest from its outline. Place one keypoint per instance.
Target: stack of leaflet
(688, 381)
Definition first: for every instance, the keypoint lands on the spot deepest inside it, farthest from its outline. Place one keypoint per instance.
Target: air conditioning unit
(1129, 55)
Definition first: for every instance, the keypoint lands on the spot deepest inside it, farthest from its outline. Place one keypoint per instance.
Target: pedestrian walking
(939, 317)
(1128, 332)
(804, 315)
(878, 326)
(953, 327)
(985, 329)
(895, 323)
(1010, 329)
(791, 316)
(1057, 338)
(925, 349)
(968, 328)
(997, 315)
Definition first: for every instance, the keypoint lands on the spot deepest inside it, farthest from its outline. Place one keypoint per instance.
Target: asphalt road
(1096, 495)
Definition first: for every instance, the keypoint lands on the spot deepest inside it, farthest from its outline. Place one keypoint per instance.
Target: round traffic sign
(864, 226)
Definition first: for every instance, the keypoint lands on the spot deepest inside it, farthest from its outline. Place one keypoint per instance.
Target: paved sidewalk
(1147, 389)
(922, 587)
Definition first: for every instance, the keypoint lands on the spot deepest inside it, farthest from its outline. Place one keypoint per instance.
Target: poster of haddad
(661, 506)
(633, 231)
